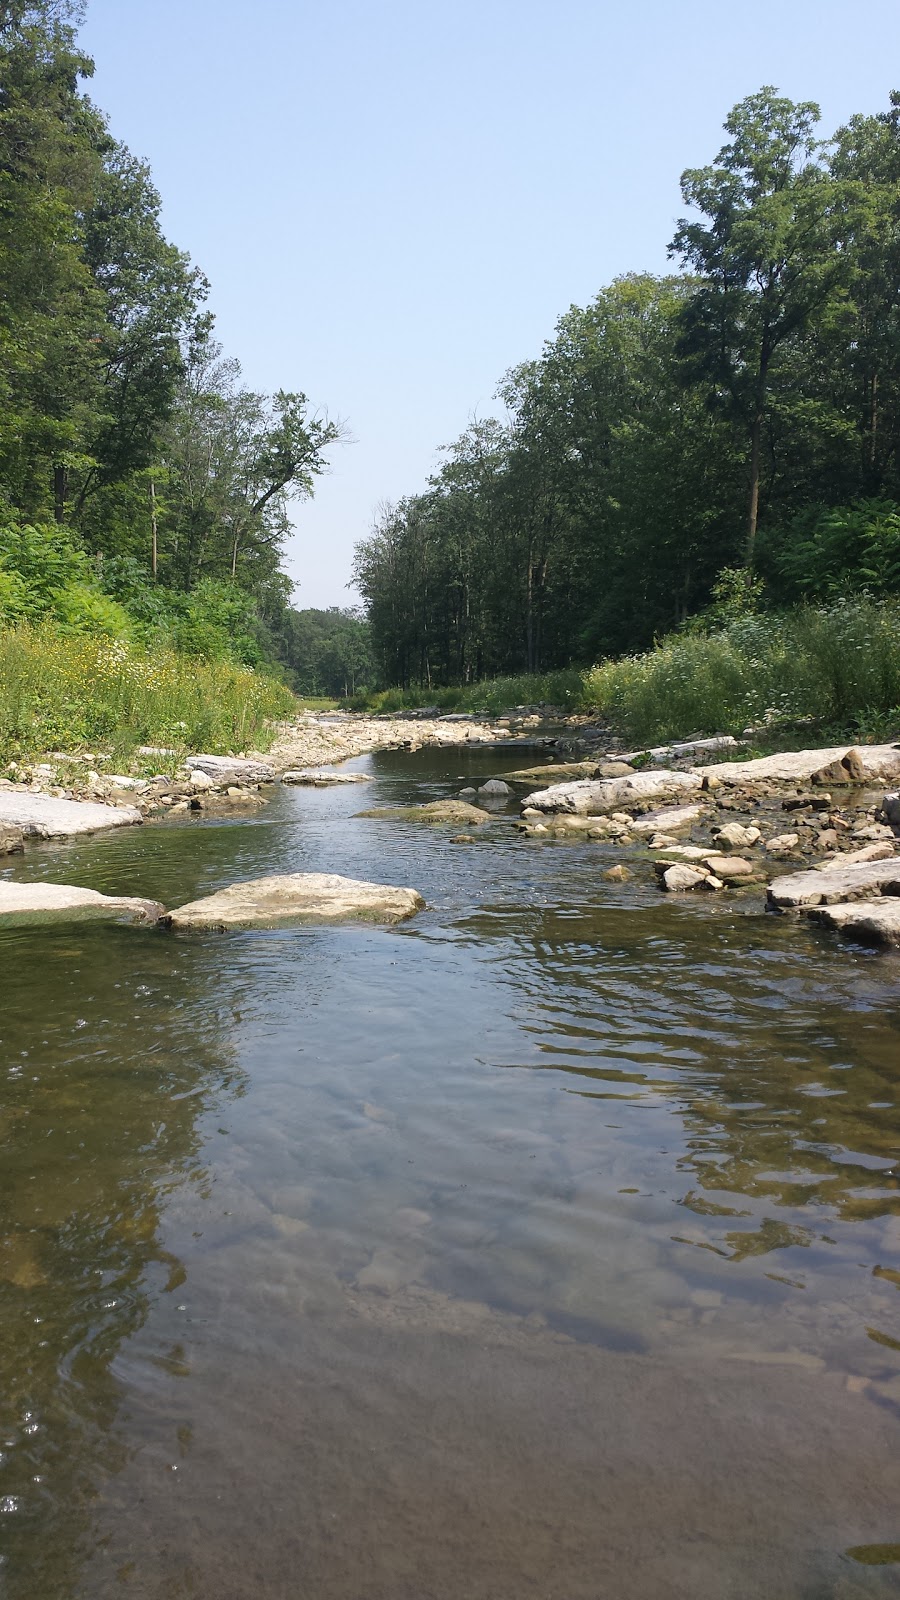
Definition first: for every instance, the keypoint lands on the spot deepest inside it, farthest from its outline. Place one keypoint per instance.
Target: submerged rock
(33, 901)
(458, 811)
(298, 897)
(495, 787)
(43, 816)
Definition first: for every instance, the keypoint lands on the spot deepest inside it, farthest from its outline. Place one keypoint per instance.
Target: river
(547, 1245)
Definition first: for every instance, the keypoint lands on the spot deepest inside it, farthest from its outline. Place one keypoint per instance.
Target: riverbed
(547, 1245)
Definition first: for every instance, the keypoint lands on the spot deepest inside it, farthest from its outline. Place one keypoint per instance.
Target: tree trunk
(60, 492)
(873, 421)
(753, 511)
(153, 546)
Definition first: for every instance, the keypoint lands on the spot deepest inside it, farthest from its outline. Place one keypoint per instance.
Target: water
(545, 1246)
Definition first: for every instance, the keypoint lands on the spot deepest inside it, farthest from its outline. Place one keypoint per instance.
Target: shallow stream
(547, 1245)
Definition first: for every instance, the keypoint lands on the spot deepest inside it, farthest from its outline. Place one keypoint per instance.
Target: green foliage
(825, 552)
(60, 692)
(837, 665)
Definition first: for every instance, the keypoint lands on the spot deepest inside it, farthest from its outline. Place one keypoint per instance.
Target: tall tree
(765, 256)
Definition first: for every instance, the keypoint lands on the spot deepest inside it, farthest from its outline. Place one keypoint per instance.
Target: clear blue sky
(394, 201)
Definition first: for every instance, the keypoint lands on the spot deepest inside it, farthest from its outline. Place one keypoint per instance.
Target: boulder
(618, 874)
(495, 787)
(232, 769)
(297, 897)
(43, 816)
(11, 839)
(873, 921)
(850, 768)
(457, 811)
(315, 779)
(679, 878)
(731, 869)
(735, 837)
(833, 883)
(782, 844)
(34, 901)
(592, 798)
(890, 809)
(668, 821)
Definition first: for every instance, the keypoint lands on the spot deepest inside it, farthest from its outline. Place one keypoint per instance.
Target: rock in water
(316, 779)
(457, 811)
(735, 837)
(36, 901)
(43, 816)
(679, 878)
(834, 883)
(873, 921)
(495, 786)
(592, 799)
(11, 839)
(298, 897)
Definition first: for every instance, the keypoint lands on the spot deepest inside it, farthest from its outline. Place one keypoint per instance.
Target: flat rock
(667, 821)
(232, 769)
(593, 798)
(34, 901)
(869, 852)
(298, 897)
(43, 816)
(684, 852)
(317, 779)
(11, 839)
(874, 921)
(782, 844)
(729, 868)
(457, 811)
(877, 761)
(833, 883)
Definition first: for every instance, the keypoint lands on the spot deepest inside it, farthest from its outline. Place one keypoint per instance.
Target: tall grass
(60, 692)
(564, 689)
(835, 666)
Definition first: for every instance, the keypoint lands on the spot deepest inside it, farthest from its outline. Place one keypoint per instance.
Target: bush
(59, 691)
(837, 665)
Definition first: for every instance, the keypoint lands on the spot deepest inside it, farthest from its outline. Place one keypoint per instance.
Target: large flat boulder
(43, 816)
(297, 897)
(455, 811)
(670, 820)
(873, 921)
(35, 902)
(232, 769)
(317, 779)
(876, 762)
(610, 794)
(833, 883)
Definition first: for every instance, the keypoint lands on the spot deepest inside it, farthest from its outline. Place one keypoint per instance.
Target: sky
(394, 200)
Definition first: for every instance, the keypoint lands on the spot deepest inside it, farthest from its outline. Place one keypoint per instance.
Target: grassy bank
(835, 669)
(62, 692)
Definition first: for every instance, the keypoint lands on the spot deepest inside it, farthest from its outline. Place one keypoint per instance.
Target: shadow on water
(106, 1081)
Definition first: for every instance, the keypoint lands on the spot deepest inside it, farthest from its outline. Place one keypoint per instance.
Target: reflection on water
(554, 1233)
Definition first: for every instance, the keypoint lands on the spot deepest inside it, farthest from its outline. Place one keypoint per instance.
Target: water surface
(545, 1246)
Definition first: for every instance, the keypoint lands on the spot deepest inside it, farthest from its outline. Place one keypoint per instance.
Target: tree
(766, 259)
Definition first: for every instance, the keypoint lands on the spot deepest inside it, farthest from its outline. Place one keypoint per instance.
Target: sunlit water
(545, 1246)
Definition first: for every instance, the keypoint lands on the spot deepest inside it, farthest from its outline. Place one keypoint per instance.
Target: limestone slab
(877, 761)
(832, 884)
(297, 897)
(44, 816)
(36, 901)
(875, 921)
(593, 798)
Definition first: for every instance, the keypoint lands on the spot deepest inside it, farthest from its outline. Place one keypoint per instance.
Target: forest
(718, 441)
(145, 489)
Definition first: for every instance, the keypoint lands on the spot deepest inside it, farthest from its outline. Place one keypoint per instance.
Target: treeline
(721, 436)
(143, 485)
